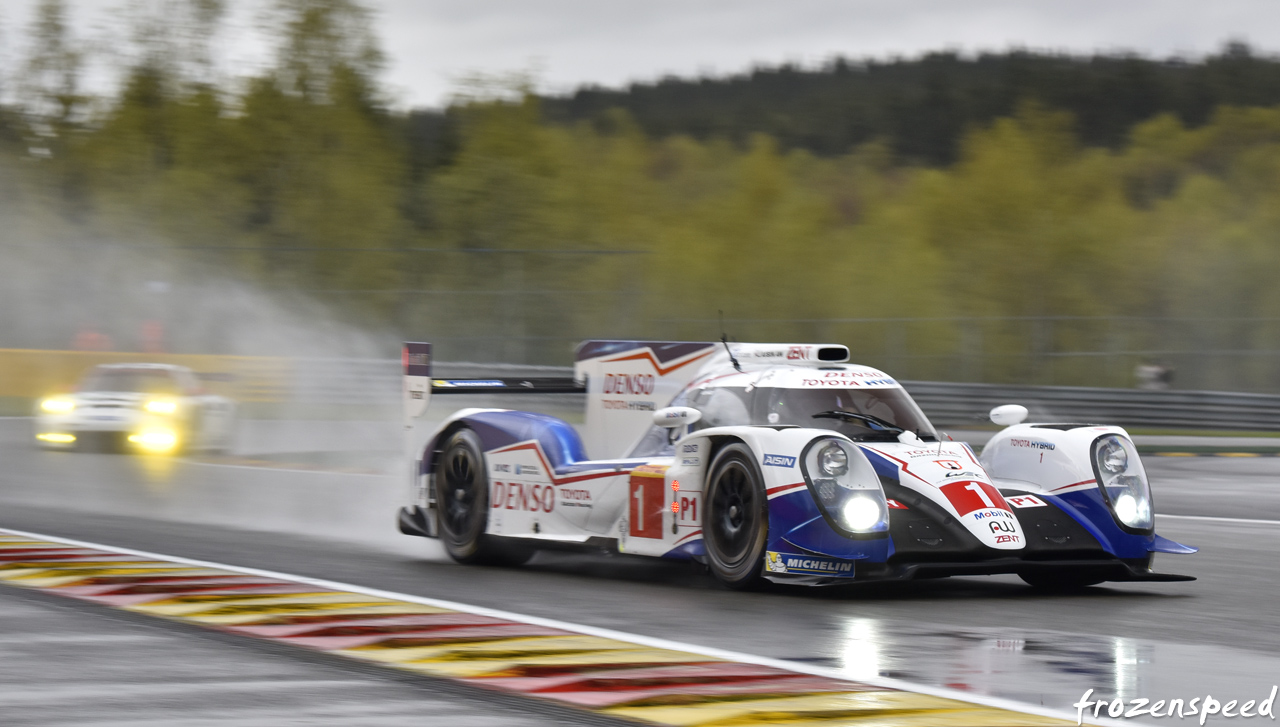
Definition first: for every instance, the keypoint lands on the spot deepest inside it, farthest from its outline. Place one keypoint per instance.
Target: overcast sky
(432, 43)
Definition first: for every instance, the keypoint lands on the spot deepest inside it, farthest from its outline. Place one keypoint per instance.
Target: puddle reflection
(1047, 668)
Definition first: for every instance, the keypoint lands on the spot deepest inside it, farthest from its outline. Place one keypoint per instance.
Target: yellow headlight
(57, 438)
(155, 440)
(57, 406)
(162, 406)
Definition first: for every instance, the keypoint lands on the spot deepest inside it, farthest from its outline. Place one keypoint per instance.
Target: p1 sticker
(1025, 501)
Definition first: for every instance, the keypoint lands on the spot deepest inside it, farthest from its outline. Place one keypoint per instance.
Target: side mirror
(676, 416)
(1008, 415)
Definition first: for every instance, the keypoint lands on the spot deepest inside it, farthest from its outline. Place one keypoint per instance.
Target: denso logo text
(517, 496)
(637, 384)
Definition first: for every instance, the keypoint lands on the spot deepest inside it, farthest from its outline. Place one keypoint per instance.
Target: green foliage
(924, 107)
(1035, 254)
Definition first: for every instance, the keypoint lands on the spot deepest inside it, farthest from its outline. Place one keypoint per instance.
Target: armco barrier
(369, 381)
(952, 404)
(30, 374)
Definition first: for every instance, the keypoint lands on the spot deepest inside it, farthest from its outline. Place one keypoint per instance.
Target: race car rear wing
(625, 382)
(419, 385)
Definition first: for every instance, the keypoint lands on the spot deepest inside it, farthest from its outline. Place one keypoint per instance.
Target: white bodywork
(195, 419)
(1041, 458)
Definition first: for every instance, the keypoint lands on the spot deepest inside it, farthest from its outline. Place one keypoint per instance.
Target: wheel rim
(459, 495)
(734, 522)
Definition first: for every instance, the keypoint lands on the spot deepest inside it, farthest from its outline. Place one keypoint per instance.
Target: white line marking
(1206, 518)
(897, 684)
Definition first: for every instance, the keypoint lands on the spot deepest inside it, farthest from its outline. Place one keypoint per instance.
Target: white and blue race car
(775, 461)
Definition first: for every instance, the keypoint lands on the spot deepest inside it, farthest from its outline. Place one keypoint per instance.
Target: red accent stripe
(905, 467)
(780, 488)
(1076, 484)
(647, 354)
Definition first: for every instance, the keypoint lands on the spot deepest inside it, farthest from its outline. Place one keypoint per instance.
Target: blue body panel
(1089, 509)
(557, 438)
(796, 526)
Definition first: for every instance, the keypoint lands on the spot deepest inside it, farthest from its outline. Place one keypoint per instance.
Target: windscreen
(884, 406)
(723, 406)
(142, 381)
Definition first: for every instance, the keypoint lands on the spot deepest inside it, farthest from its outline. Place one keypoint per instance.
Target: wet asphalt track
(990, 635)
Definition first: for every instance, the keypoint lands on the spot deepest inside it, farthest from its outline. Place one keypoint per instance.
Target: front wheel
(736, 525)
(462, 491)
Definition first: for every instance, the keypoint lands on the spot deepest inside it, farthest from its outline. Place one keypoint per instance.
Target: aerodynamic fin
(626, 382)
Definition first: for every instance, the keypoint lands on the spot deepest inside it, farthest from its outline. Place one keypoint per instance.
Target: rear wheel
(736, 525)
(462, 491)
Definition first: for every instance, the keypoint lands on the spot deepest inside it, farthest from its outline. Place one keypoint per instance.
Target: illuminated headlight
(861, 514)
(155, 440)
(845, 486)
(57, 406)
(161, 406)
(833, 460)
(1123, 481)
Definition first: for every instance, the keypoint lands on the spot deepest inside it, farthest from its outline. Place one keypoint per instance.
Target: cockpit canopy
(866, 407)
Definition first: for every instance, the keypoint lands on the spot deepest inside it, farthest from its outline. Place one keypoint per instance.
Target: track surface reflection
(988, 635)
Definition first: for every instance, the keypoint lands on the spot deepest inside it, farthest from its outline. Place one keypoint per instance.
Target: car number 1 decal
(967, 496)
(647, 502)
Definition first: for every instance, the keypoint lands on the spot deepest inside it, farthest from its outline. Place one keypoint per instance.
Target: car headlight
(1123, 481)
(155, 440)
(161, 406)
(861, 513)
(845, 486)
(833, 460)
(58, 405)
(1112, 456)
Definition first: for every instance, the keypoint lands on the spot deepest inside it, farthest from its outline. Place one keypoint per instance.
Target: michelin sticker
(807, 565)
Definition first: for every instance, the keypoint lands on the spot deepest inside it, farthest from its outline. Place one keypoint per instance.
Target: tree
(319, 40)
(49, 85)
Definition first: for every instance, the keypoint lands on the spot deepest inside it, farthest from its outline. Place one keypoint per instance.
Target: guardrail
(950, 404)
(364, 382)
(953, 404)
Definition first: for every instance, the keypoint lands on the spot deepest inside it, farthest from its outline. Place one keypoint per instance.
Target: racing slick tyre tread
(1059, 582)
(736, 524)
(462, 488)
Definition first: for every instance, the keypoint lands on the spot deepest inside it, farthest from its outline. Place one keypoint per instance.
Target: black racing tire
(735, 527)
(1060, 581)
(462, 496)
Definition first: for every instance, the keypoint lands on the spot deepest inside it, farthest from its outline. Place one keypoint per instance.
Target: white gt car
(144, 407)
